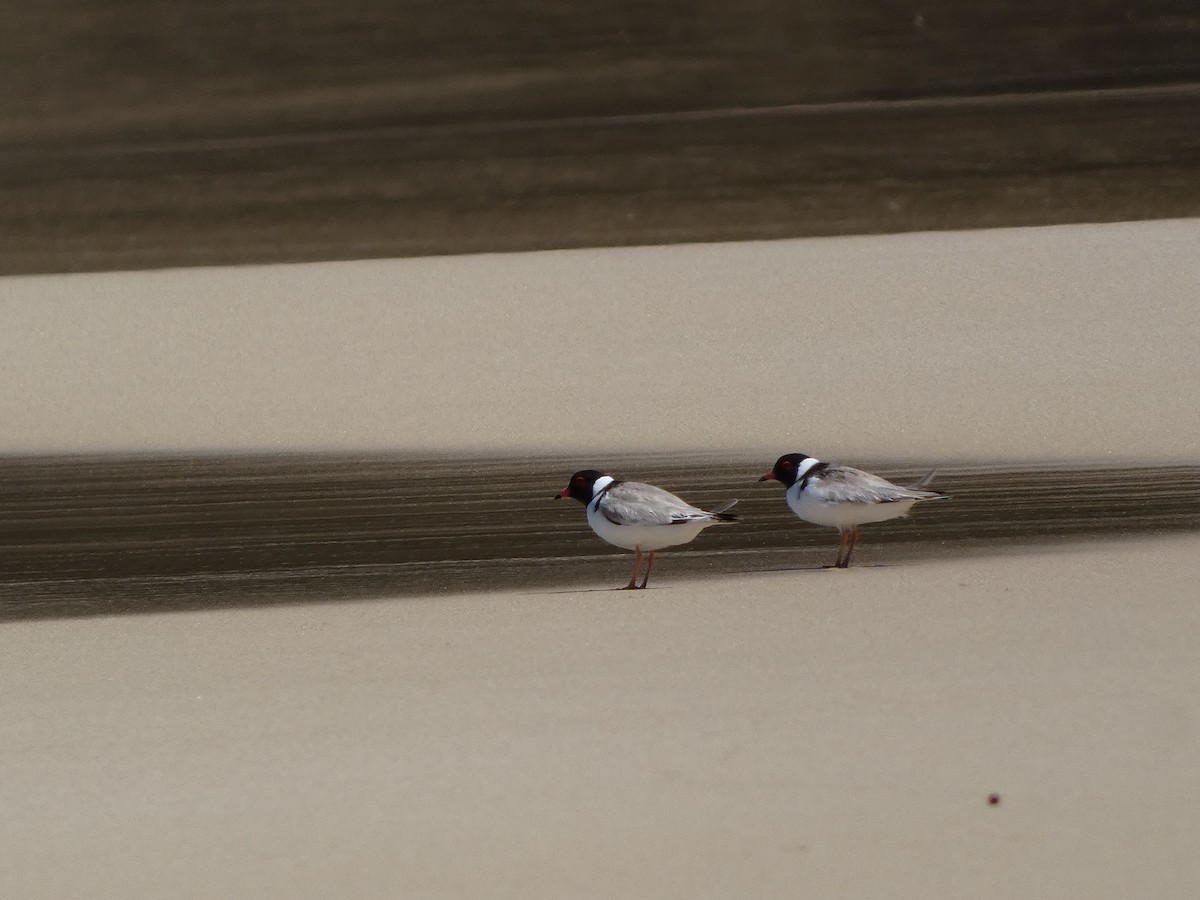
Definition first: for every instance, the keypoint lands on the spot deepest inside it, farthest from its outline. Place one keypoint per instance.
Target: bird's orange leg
(649, 566)
(850, 549)
(637, 565)
(837, 563)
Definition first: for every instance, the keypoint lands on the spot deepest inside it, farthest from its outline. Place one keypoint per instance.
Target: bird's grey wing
(634, 503)
(842, 484)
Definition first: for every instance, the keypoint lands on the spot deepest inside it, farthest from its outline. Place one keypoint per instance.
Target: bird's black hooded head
(785, 469)
(580, 485)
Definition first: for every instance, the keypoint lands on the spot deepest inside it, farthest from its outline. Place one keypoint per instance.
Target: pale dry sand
(1073, 342)
(800, 734)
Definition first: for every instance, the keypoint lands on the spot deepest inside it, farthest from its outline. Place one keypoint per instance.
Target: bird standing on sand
(639, 517)
(844, 498)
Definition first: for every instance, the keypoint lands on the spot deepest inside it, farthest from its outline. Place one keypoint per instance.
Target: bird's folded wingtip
(721, 513)
(925, 481)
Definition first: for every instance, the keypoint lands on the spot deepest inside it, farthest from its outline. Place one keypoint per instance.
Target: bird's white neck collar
(601, 483)
(805, 467)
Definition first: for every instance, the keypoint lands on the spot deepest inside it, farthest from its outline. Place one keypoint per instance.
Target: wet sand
(379, 189)
(799, 733)
(100, 536)
(136, 137)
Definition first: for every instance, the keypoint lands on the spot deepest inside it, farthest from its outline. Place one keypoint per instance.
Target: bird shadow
(775, 570)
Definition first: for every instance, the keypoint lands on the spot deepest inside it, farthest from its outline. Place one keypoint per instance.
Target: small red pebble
(994, 799)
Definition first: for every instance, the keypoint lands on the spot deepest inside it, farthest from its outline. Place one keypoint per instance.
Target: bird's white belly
(647, 537)
(845, 515)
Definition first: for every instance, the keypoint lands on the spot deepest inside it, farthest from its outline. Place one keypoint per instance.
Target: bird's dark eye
(787, 464)
(579, 479)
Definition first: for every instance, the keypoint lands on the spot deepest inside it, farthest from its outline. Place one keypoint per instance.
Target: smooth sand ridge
(809, 733)
(1069, 342)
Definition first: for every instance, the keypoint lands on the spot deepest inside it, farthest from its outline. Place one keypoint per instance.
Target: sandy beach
(286, 607)
(779, 734)
(812, 733)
